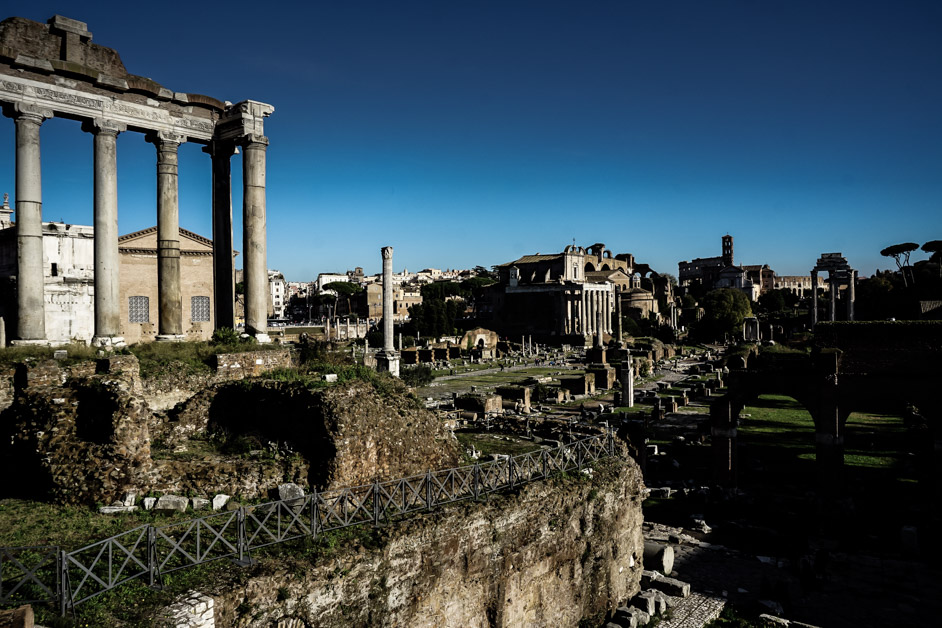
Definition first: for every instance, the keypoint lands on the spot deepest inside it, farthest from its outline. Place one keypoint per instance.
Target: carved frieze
(90, 106)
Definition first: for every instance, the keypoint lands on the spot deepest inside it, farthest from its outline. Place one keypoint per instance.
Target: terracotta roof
(531, 259)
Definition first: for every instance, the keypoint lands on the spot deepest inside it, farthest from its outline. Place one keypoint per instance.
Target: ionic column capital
(387, 252)
(103, 126)
(165, 139)
(253, 141)
(32, 113)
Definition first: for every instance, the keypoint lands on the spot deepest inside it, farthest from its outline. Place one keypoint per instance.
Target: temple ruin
(54, 70)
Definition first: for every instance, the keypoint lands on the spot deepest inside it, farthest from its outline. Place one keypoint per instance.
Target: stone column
(169, 296)
(30, 288)
(627, 382)
(388, 359)
(107, 294)
(255, 262)
(834, 283)
(724, 420)
(569, 321)
(814, 298)
(851, 289)
(223, 275)
(621, 341)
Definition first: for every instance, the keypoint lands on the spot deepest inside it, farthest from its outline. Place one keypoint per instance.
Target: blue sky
(473, 132)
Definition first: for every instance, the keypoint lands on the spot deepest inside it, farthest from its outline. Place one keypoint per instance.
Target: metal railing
(48, 574)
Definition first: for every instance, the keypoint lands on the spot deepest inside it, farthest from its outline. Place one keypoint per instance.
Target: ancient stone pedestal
(388, 361)
(596, 355)
(604, 376)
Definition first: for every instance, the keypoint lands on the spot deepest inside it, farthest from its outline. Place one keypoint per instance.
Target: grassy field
(488, 380)
(489, 444)
(777, 460)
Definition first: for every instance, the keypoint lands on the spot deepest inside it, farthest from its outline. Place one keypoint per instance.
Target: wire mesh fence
(68, 578)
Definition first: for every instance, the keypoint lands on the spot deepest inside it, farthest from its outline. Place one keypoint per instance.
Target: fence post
(242, 536)
(476, 484)
(314, 514)
(428, 489)
(543, 460)
(578, 455)
(376, 504)
(63, 582)
(151, 555)
(510, 471)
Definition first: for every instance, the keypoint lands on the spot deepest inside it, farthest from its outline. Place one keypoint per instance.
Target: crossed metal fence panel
(29, 574)
(345, 507)
(196, 541)
(277, 522)
(106, 564)
(151, 551)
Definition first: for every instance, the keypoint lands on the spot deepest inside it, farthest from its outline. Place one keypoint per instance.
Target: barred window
(199, 309)
(139, 309)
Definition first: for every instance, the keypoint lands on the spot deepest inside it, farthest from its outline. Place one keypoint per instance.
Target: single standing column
(388, 359)
(834, 282)
(618, 314)
(107, 295)
(852, 280)
(169, 297)
(814, 298)
(223, 275)
(253, 238)
(30, 300)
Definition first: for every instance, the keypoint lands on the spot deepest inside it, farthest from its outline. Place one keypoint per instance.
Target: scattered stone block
(661, 492)
(772, 620)
(60, 354)
(646, 601)
(199, 503)
(171, 503)
(658, 557)
(290, 491)
(194, 610)
(116, 510)
(330, 377)
(149, 502)
(129, 498)
(670, 586)
(21, 617)
(624, 618)
(219, 501)
(661, 601)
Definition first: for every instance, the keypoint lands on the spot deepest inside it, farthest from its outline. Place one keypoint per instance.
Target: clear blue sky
(473, 132)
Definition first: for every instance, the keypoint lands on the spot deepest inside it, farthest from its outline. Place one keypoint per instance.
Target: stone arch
(605, 267)
(589, 267)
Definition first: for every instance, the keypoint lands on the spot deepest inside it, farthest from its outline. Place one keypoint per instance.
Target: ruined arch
(589, 267)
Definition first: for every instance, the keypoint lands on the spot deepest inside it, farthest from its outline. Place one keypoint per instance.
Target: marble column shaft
(814, 298)
(834, 284)
(223, 275)
(387, 300)
(255, 262)
(107, 295)
(169, 297)
(851, 296)
(30, 302)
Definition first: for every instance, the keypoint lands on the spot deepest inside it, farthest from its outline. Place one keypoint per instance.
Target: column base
(32, 343)
(170, 338)
(388, 361)
(108, 342)
(260, 338)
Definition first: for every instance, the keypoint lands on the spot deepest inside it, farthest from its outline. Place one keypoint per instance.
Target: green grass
(77, 353)
(489, 444)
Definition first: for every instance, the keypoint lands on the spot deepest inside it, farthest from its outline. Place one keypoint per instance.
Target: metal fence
(48, 574)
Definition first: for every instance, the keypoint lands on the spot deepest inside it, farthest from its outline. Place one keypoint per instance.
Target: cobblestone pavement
(693, 611)
(855, 591)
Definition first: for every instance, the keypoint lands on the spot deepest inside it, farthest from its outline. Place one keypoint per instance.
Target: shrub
(419, 375)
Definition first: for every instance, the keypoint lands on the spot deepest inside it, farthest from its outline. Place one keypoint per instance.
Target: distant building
(277, 294)
(69, 282)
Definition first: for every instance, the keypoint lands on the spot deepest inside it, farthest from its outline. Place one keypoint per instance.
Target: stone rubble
(192, 610)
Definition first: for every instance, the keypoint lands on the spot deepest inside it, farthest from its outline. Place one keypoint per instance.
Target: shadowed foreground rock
(549, 554)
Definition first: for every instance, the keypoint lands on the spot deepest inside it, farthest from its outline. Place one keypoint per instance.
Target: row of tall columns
(30, 265)
(834, 282)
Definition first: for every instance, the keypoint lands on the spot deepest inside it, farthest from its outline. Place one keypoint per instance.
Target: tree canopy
(343, 288)
(724, 311)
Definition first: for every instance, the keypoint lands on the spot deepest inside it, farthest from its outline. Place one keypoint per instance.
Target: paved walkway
(694, 611)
